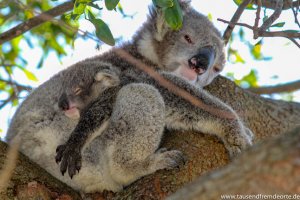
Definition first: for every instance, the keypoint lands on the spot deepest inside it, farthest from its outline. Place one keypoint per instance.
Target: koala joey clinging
(84, 84)
(126, 124)
(46, 117)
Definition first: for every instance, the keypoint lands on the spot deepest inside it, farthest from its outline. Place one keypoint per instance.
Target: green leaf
(79, 8)
(250, 79)
(210, 17)
(256, 50)
(30, 75)
(173, 16)
(292, 31)
(237, 57)
(281, 24)
(15, 102)
(102, 30)
(163, 3)
(94, 6)
(2, 85)
(91, 15)
(249, 6)
(241, 34)
(111, 4)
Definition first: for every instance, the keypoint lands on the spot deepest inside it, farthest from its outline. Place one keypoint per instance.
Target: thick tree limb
(268, 168)
(28, 172)
(266, 117)
(35, 21)
(288, 87)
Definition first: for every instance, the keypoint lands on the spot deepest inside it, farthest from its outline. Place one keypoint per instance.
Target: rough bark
(29, 181)
(264, 116)
(204, 152)
(270, 168)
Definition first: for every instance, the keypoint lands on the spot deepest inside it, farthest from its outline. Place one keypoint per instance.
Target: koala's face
(195, 52)
(82, 84)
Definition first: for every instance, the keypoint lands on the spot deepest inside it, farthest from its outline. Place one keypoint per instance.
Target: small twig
(294, 41)
(35, 21)
(295, 13)
(6, 101)
(19, 86)
(235, 18)
(288, 87)
(286, 34)
(236, 23)
(257, 18)
(59, 22)
(268, 22)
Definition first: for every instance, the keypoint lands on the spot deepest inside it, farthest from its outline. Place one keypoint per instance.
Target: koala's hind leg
(134, 134)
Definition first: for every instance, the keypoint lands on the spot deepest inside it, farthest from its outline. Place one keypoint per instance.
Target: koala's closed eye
(77, 91)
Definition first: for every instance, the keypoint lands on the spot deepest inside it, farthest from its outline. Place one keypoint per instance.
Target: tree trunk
(265, 117)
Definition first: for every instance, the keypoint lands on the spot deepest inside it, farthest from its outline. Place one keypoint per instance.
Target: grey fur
(135, 127)
(121, 130)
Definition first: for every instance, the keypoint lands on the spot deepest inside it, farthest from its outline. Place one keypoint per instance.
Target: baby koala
(84, 86)
(51, 111)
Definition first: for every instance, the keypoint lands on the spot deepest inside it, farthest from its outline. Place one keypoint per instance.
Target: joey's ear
(107, 79)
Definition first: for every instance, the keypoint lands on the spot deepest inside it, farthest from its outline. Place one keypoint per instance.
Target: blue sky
(285, 55)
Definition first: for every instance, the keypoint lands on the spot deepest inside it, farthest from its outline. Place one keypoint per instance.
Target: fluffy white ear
(161, 27)
(160, 24)
(107, 79)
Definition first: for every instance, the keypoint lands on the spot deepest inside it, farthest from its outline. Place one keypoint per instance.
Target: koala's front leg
(91, 118)
(187, 116)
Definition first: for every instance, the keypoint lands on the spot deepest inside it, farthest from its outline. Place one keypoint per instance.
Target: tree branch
(286, 4)
(286, 34)
(28, 172)
(267, 168)
(20, 87)
(268, 22)
(235, 18)
(35, 21)
(288, 87)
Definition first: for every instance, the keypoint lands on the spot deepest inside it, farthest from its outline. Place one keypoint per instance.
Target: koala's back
(37, 108)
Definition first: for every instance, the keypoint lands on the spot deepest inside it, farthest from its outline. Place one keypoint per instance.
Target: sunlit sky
(284, 63)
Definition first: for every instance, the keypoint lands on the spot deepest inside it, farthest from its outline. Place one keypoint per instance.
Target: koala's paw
(236, 143)
(70, 157)
(169, 159)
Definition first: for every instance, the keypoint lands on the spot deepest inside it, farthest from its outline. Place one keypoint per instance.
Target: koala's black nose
(203, 60)
(63, 102)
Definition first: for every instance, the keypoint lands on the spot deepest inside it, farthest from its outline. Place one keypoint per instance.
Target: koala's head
(83, 83)
(195, 52)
